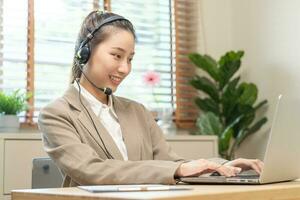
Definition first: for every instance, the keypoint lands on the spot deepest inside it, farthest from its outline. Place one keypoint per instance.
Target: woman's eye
(117, 56)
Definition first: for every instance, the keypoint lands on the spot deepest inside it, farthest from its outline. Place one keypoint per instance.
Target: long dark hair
(89, 24)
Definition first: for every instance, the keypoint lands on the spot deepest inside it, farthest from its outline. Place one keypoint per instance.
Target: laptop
(281, 159)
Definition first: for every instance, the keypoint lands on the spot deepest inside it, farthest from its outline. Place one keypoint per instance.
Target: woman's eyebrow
(120, 49)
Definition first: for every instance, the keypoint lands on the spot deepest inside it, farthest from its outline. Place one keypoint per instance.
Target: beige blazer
(71, 140)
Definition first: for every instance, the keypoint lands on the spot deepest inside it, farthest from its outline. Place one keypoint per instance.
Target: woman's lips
(115, 79)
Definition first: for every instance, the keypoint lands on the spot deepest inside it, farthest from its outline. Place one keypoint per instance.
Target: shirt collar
(95, 104)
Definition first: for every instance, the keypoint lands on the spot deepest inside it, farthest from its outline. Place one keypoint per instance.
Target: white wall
(269, 33)
(215, 27)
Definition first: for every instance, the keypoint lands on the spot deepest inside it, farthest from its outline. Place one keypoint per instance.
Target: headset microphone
(105, 90)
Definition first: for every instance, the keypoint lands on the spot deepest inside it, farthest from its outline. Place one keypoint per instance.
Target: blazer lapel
(72, 97)
(131, 137)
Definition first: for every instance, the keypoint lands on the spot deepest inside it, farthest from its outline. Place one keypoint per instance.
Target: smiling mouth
(115, 79)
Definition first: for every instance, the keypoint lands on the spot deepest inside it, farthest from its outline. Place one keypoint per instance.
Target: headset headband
(108, 20)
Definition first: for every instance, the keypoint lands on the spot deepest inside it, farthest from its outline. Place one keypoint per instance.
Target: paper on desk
(131, 188)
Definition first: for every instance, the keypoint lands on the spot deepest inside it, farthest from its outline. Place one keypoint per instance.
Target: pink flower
(151, 78)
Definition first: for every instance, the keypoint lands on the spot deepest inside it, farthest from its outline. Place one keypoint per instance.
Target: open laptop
(282, 156)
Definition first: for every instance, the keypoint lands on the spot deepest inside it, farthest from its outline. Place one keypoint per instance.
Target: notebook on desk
(282, 156)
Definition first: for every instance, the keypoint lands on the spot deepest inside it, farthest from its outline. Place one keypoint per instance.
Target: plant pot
(9, 123)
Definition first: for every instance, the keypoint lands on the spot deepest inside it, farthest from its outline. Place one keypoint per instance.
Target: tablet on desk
(132, 188)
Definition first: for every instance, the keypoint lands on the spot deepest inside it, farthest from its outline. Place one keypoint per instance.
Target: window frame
(177, 41)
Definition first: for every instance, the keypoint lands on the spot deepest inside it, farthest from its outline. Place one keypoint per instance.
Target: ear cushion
(83, 54)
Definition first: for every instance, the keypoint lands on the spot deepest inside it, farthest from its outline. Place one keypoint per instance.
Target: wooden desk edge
(289, 191)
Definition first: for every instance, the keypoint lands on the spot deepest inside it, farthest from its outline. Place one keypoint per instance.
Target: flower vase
(165, 122)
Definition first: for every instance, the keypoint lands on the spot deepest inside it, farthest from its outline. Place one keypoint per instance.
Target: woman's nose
(124, 67)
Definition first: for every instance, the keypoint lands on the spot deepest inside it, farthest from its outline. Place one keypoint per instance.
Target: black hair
(90, 23)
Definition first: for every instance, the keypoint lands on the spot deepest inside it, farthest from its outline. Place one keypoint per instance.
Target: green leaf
(257, 125)
(235, 121)
(224, 140)
(248, 93)
(236, 141)
(206, 63)
(231, 56)
(207, 104)
(235, 113)
(247, 119)
(251, 130)
(260, 104)
(233, 107)
(232, 84)
(209, 124)
(249, 115)
(205, 85)
(230, 97)
(229, 65)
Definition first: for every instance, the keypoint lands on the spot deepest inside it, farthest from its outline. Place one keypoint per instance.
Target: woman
(98, 138)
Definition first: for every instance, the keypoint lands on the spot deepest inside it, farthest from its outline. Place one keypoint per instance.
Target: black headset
(82, 56)
(83, 53)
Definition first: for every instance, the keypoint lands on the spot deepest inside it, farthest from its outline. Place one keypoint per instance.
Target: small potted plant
(10, 106)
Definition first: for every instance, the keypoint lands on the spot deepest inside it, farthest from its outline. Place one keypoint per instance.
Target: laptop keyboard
(248, 174)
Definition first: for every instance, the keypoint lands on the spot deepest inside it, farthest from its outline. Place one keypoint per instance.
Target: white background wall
(269, 33)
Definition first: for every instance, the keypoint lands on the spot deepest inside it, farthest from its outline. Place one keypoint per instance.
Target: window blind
(13, 45)
(153, 51)
(13, 51)
(161, 38)
(57, 24)
(186, 22)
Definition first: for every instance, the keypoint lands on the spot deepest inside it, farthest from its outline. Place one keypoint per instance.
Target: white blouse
(108, 118)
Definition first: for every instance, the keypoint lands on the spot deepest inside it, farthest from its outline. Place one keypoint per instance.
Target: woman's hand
(246, 164)
(202, 166)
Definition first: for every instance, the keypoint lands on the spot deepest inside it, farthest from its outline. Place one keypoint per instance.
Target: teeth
(114, 78)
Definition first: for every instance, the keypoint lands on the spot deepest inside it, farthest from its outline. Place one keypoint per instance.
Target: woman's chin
(113, 88)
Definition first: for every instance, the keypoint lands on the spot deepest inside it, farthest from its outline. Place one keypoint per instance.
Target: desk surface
(286, 190)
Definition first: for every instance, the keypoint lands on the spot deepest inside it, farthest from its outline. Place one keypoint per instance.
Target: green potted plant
(228, 106)
(10, 106)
